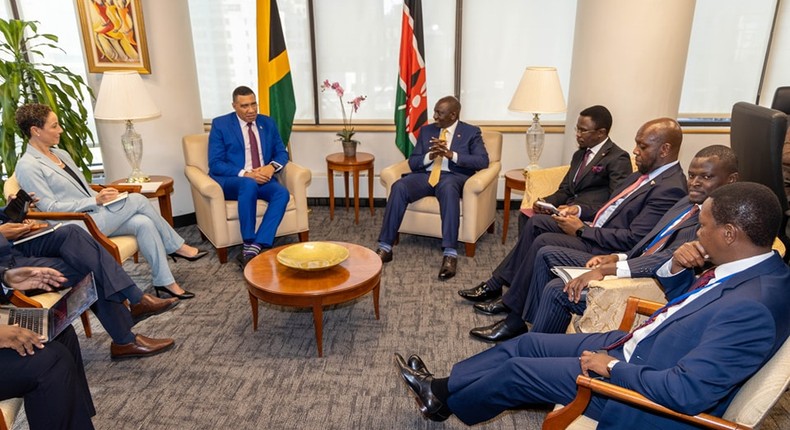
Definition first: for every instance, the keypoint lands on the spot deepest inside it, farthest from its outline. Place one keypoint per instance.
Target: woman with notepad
(57, 182)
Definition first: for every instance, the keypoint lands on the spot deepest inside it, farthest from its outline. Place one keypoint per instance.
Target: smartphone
(17, 208)
(548, 206)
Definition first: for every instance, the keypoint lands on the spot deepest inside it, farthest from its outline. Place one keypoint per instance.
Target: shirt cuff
(241, 173)
(455, 157)
(621, 256)
(623, 270)
(426, 160)
(664, 270)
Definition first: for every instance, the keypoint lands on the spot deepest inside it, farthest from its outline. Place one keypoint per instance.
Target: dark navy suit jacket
(599, 178)
(467, 143)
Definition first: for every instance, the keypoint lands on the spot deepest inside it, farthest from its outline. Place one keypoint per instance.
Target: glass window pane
(778, 70)
(357, 45)
(224, 36)
(726, 54)
(500, 40)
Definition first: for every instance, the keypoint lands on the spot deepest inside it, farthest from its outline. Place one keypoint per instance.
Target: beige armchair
(218, 219)
(747, 410)
(9, 409)
(478, 204)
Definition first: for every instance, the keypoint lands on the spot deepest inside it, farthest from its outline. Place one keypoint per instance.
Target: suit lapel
(643, 189)
(49, 164)
(595, 160)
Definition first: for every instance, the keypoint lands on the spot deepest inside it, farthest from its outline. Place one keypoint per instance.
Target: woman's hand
(106, 195)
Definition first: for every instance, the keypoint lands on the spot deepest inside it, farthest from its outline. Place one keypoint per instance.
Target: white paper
(145, 187)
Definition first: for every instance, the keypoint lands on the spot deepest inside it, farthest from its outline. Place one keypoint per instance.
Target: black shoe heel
(184, 296)
(200, 254)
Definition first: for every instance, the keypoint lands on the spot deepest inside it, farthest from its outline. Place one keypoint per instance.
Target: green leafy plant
(26, 78)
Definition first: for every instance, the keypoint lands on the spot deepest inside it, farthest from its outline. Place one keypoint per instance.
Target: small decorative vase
(350, 148)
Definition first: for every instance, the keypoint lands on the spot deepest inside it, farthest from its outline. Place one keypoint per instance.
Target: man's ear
(733, 178)
(730, 233)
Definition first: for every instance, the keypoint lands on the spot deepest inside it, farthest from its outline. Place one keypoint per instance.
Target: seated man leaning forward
(245, 150)
(447, 153)
(50, 377)
(712, 167)
(716, 331)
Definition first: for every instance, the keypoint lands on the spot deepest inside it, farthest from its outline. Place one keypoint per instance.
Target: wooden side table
(162, 194)
(514, 180)
(339, 162)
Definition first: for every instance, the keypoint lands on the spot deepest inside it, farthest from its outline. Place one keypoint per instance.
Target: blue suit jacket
(467, 143)
(599, 178)
(640, 212)
(698, 358)
(226, 145)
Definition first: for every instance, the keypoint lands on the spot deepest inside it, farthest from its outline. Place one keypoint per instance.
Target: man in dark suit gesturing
(447, 153)
(245, 150)
(597, 168)
(693, 356)
(638, 204)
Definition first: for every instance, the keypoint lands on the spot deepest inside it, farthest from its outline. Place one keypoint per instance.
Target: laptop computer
(50, 322)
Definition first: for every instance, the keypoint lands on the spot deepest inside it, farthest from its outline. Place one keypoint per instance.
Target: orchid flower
(348, 131)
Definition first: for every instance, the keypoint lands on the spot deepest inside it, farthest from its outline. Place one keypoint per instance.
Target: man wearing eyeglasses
(597, 168)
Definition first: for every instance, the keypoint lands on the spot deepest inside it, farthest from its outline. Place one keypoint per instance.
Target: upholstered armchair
(218, 219)
(747, 409)
(478, 203)
(540, 183)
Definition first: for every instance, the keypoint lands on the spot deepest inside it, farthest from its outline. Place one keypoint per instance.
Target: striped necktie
(436, 170)
(628, 190)
(664, 235)
(255, 154)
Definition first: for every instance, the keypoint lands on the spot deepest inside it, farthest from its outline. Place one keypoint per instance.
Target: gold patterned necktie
(436, 170)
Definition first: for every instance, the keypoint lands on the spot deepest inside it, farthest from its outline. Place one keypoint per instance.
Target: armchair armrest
(586, 385)
(295, 178)
(541, 183)
(390, 174)
(203, 183)
(606, 299)
(482, 179)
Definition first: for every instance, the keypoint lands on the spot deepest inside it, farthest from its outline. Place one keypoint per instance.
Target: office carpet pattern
(221, 374)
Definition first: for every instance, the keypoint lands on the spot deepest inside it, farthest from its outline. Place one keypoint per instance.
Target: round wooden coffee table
(274, 283)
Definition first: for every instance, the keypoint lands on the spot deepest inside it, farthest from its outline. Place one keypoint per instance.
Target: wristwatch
(610, 365)
(580, 231)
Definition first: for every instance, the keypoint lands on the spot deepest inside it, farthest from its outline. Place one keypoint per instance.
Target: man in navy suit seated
(692, 356)
(447, 153)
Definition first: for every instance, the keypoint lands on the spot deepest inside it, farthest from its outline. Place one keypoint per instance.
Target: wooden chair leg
(491, 229)
(222, 254)
(304, 236)
(470, 249)
(86, 324)
(135, 258)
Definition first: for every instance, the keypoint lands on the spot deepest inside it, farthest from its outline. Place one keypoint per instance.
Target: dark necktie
(702, 281)
(657, 245)
(585, 160)
(256, 157)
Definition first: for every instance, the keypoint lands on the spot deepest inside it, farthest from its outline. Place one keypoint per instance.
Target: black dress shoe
(492, 308)
(480, 293)
(386, 256)
(498, 332)
(415, 363)
(243, 259)
(200, 254)
(448, 267)
(420, 385)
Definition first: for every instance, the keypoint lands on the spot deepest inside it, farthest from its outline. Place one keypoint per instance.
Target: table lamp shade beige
(123, 97)
(538, 92)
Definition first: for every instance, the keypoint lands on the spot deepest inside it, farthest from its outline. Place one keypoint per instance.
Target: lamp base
(535, 139)
(133, 148)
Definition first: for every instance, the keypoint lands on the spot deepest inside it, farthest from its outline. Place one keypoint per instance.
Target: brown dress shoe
(448, 268)
(141, 347)
(150, 306)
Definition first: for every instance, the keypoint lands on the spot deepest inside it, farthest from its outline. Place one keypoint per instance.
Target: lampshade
(123, 97)
(538, 92)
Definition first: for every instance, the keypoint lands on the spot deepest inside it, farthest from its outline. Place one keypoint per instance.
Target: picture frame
(113, 35)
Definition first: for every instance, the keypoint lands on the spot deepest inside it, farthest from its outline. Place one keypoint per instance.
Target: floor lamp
(123, 97)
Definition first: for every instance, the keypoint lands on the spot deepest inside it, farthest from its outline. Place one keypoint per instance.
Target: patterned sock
(450, 252)
(251, 249)
(385, 247)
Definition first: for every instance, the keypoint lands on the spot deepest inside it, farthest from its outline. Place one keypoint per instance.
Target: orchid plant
(348, 131)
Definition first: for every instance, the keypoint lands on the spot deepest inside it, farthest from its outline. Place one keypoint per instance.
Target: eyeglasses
(583, 131)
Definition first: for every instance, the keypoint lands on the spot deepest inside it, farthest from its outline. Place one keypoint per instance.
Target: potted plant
(349, 144)
(26, 78)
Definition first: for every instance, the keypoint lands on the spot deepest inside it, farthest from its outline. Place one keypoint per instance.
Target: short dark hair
(242, 91)
(31, 115)
(600, 116)
(455, 104)
(725, 154)
(752, 207)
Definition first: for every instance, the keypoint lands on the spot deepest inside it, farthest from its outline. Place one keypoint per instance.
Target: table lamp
(538, 92)
(123, 97)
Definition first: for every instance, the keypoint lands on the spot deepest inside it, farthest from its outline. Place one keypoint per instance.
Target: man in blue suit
(634, 209)
(715, 333)
(245, 150)
(550, 310)
(447, 153)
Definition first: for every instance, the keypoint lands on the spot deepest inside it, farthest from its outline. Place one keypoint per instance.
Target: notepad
(566, 273)
(145, 187)
(36, 233)
(121, 196)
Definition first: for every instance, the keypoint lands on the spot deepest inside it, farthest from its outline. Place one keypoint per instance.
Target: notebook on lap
(50, 322)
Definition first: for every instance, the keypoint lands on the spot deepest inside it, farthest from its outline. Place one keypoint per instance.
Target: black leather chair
(781, 100)
(757, 135)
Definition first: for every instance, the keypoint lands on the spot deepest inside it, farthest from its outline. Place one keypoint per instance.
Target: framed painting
(114, 35)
